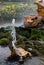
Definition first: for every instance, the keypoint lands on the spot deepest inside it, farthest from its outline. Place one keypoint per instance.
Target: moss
(23, 32)
(23, 37)
(5, 37)
(22, 46)
(39, 46)
(34, 52)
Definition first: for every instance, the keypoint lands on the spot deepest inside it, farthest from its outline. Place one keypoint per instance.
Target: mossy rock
(34, 52)
(39, 46)
(41, 50)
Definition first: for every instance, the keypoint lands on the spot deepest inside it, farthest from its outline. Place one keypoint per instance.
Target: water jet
(18, 51)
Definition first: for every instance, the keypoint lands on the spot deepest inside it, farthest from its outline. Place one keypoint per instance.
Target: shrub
(37, 34)
(4, 41)
(8, 11)
(16, 10)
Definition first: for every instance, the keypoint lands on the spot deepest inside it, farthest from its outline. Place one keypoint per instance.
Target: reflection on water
(34, 61)
(5, 52)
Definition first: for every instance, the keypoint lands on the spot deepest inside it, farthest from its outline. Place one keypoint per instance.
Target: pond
(5, 52)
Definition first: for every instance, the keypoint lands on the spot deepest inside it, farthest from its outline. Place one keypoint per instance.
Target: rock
(34, 52)
(40, 9)
(38, 1)
(32, 21)
(39, 46)
(30, 49)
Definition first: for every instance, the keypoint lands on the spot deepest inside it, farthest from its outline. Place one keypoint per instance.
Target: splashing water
(18, 50)
(13, 34)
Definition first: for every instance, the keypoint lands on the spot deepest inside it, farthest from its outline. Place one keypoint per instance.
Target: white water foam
(13, 34)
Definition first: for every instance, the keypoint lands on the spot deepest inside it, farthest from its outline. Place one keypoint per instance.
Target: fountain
(13, 34)
(18, 51)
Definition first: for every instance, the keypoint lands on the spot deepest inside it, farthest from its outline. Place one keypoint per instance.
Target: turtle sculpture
(17, 52)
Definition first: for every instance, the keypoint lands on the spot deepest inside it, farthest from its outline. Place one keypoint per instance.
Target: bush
(4, 41)
(8, 11)
(5, 37)
(24, 32)
(35, 33)
(16, 10)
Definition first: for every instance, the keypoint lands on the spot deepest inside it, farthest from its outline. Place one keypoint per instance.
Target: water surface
(5, 52)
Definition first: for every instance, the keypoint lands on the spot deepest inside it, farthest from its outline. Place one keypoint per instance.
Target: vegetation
(5, 37)
(24, 38)
(37, 34)
(8, 11)
(16, 10)
(16, 0)
(4, 42)
(39, 47)
(34, 34)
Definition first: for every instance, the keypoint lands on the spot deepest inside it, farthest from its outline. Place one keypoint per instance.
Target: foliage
(39, 46)
(35, 34)
(23, 32)
(4, 41)
(8, 11)
(23, 9)
(5, 37)
(16, 10)
(24, 36)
